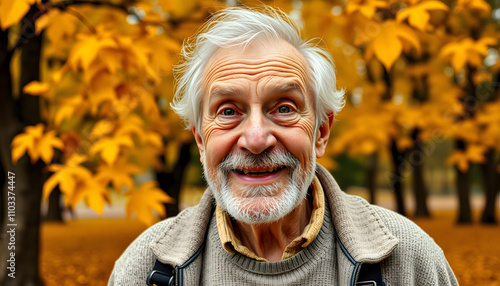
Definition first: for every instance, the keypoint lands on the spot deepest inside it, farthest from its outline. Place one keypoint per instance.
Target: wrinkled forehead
(262, 58)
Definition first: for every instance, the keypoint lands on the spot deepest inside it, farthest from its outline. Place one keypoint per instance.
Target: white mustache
(265, 160)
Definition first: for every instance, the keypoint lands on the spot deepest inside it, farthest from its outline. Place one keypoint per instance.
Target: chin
(261, 204)
(261, 209)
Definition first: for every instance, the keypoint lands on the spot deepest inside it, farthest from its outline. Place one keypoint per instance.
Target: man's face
(257, 132)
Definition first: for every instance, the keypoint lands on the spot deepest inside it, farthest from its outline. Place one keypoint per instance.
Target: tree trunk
(55, 210)
(463, 190)
(397, 178)
(491, 185)
(171, 182)
(417, 159)
(371, 175)
(24, 226)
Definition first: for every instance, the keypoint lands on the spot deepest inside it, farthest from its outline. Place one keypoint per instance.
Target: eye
(284, 109)
(228, 112)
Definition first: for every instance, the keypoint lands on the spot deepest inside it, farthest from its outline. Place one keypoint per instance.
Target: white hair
(240, 26)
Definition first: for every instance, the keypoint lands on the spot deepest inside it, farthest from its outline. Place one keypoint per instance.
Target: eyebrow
(278, 88)
(288, 87)
(218, 91)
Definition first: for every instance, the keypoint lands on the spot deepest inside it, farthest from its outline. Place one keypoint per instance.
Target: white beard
(265, 203)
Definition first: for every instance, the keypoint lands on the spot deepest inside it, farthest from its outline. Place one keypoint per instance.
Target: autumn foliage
(413, 71)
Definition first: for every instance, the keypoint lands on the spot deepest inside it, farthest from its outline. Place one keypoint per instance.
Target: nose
(257, 135)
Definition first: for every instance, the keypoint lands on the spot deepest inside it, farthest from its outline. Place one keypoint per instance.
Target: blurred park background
(91, 154)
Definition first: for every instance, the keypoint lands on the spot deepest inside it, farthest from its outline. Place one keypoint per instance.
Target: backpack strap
(370, 275)
(164, 274)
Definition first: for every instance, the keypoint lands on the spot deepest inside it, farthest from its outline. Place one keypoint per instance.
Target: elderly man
(261, 102)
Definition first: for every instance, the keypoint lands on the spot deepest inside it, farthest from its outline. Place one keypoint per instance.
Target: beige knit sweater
(366, 234)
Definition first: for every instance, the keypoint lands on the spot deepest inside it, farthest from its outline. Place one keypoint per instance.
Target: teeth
(270, 170)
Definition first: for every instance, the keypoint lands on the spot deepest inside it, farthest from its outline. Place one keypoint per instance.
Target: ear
(323, 135)
(199, 142)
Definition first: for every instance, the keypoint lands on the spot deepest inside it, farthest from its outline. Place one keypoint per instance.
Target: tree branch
(82, 19)
(64, 4)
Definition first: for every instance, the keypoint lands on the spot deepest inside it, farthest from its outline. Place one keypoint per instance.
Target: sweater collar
(360, 230)
(362, 233)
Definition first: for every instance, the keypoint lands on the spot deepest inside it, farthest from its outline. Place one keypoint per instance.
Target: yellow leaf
(12, 11)
(475, 153)
(467, 130)
(387, 45)
(36, 144)
(86, 50)
(56, 76)
(47, 144)
(134, 125)
(418, 15)
(95, 196)
(60, 26)
(367, 8)
(404, 143)
(36, 88)
(467, 51)
(41, 23)
(110, 147)
(101, 129)
(368, 147)
(63, 112)
(21, 144)
(50, 184)
(178, 8)
(69, 178)
(146, 199)
(480, 6)
(460, 159)
(119, 174)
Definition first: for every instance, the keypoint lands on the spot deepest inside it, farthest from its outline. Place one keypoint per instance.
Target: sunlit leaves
(87, 49)
(109, 147)
(418, 15)
(467, 51)
(104, 97)
(12, 11)
(36, 88)
(473, 154)
(365, 135)
(367, 8)
(177, 8)
(76, 183)
(119, 174)
(388, 44)
(480, 6)
(36, 143)
(148, 197)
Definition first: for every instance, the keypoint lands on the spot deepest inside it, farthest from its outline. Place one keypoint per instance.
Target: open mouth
(259, 172)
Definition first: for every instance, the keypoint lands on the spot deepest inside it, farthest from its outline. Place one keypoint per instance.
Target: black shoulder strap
(161, 275)
(164, 274)
(370, 275)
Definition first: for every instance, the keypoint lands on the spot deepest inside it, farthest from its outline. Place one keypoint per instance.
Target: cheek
(299, 142)
(218, 145)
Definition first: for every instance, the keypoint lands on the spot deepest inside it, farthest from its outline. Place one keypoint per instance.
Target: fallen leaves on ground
(83, 252)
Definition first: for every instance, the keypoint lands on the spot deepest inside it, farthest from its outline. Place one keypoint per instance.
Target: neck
(270, 240)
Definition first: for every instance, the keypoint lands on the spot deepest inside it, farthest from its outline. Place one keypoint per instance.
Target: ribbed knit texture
(314, 265)
(369, 234)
